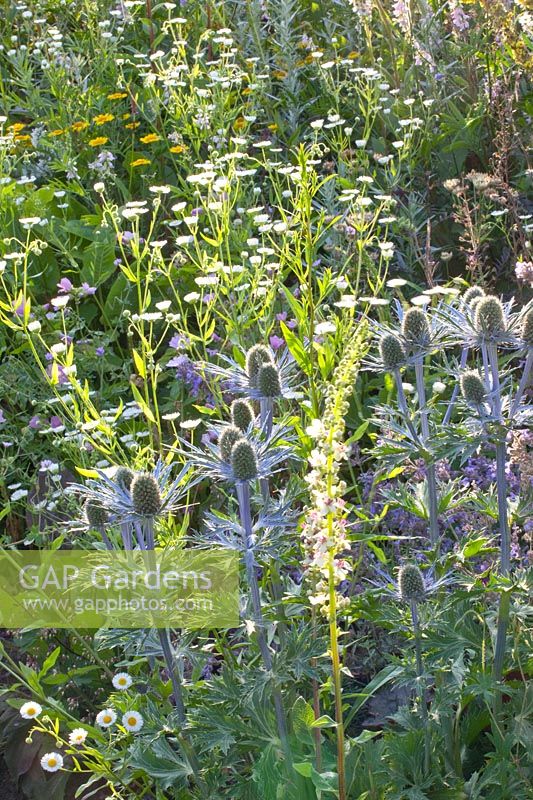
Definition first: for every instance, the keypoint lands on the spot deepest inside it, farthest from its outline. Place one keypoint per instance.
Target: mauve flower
(87, 290)
(19, 310)
(65, 286)
(276, 342)
(100, 351)
(34, 423)
(2, 417)
(282, 316)
(178, 342)
(55, 422)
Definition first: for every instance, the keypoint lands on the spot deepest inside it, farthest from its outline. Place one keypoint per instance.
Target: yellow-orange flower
(16, 127)
(79, 126)
(140, 162)
(273, 127)
(23, 138)
(117, 95)
(178, 148)
(127, 115)
(149, 138)
(99, 140)
(57, 132)
(101, 119)
(239, 123)
(132, 125)
(279, 73)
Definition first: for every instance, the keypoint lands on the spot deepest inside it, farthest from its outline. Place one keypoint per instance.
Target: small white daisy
(106, 718)
(52, 762)
(30, 710)
(132, 721)
(77, 736)
(122, 681)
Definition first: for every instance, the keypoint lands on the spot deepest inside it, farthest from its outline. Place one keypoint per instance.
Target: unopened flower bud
(489, 318)
(527, 328)
(95, 514)
(472, 388)
(145, 495)
(392, 352)
(242, 414)
(228, 437)
(124, 477)
(268, 381)
(244, 461)
(258, 355)
(411, 583)
(415, 327)
(473, 295)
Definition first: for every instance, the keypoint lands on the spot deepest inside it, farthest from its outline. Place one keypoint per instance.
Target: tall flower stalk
(324, 529)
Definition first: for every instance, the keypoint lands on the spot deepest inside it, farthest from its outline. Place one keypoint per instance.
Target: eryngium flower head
(411, 584)
(472, 388)
(391, 351)
(258, 355)
(489, 317)
(228, 437)
(527, 328)
(244, 461)
(145, 495)
(473, 295)
(95, 514)
(415, 328)
(242, 414)
(124, 477)
(268, 381)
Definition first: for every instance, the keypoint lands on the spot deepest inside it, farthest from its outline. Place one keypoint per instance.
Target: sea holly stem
(402, 403)
(430, 465)
(421, 680)
(524, 381)
(453, 398)
(266, 415)
(245, 512)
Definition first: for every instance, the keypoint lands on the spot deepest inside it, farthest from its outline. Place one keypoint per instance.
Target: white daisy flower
(122, 681)
(77, 736)
(132, 721)
(52, 762)
(106, 718)
(30, 710)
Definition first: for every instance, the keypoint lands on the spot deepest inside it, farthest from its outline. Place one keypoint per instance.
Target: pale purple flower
(276, 342)
(100, 351)
(87, 290)
(2, 417)
(459, 19)
(55, 422)
(65, 286)
(34, 423)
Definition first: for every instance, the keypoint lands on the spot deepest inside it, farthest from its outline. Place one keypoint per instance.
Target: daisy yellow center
(107, 718)
(31, 711)
(122, 681)
(52, 762)
(132, 721)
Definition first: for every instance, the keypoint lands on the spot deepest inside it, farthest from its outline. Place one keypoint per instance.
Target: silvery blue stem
(105, 537)
(139, 536)
(528, 366)
(125, 532)
(266, 414)
(451, 404)
(243, 496)
(430, 466)
(402, 404)
(505, 543)
(485, 357)
(164, 637)
(421, 680)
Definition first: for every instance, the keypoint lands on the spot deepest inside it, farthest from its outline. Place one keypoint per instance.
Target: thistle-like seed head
(392, 352)
(124, 476)
(489, 318)
(228, 437)
(473, 295)
(145, 495)
(244, 461)
(411, 583)
(258, 355)
(242, 414)
(95, 514)
(415, 327)
(472, 387)
(268, 381)
(527, 328)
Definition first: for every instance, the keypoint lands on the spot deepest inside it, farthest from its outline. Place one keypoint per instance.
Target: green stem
(337, 680)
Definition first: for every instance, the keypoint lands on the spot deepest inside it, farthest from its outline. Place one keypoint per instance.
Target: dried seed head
(124, 477)
(145, 495)
(228, 437)
(489, 318)
(527, 328)
(392, 352)
(411, 583)
(95, 514)
(244, 461)
(242, 414)
(473, 295)
(472, 388)
(415, 327)
(268, 381)
(255, 358)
